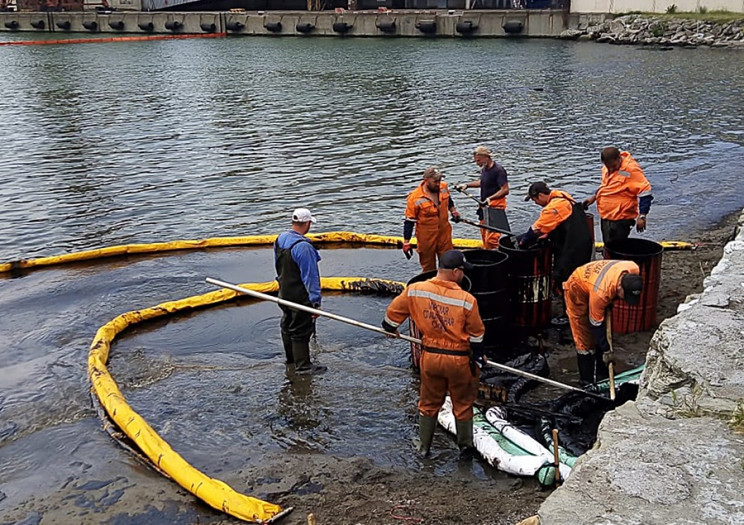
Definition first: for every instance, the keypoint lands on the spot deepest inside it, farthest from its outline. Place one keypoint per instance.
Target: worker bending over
(563, 222)
(589, 293)
(452, 338)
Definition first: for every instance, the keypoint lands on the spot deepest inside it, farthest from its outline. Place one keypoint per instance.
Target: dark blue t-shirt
(491, 179)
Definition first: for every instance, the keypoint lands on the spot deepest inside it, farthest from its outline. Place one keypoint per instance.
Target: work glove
(461, 187)
(456, 216)
(390, 329)
(478, 357)
(407, 250)
(527, 239)
(585, 205)
(641, 224)
(608, 357)
(317, 307)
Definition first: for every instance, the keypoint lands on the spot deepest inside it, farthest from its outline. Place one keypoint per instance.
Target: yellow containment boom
(214, 492)
(251, 240)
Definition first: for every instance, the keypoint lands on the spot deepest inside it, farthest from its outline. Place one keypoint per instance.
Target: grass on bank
(703, 15)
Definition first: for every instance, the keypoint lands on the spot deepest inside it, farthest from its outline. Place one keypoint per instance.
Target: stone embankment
(675, 455)
(650, 30)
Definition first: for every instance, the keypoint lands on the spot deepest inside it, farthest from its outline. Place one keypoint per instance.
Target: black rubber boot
(587, 365)
(427, 426)
(287, 342)
(465, 437)
(301, 353)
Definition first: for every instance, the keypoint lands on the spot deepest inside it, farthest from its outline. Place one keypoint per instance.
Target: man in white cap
(494, 187)
(296, 261)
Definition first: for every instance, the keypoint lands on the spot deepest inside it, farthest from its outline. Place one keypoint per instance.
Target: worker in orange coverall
(623, 197)
(428, 209)
(589, 294)
(452, 340)
(563, 222)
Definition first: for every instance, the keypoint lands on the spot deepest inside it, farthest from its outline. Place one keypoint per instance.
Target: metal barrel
(647, 255)
(529, 273)
(490, 287)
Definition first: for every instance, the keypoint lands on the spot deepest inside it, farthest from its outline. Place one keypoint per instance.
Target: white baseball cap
(303, 215)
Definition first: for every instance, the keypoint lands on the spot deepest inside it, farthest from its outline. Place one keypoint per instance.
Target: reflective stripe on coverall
(589, 292)
(618, 194)
(433, 229)
(449, 320)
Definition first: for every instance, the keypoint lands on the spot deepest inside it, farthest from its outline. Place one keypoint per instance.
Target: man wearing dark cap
(563, 222)
(452, 331)
(623, 197)
(589, 293)
(494, 187)
(296, 261)
(427, 209)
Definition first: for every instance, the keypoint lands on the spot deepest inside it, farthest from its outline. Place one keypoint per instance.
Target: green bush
(658, 29)
(702, 9)
(671, 9)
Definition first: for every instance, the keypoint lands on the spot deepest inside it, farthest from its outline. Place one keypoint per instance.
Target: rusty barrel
(647, 255)
(529, 273)
(489, 284)
(414, 330)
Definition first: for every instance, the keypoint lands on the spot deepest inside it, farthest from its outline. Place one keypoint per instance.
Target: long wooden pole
(373, 328)
(611, 366)
(308, 309)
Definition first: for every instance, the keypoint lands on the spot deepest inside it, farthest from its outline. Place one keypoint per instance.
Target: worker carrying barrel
(452, 337)
(428, 209)
(623, 197)
(494, 187)
(589, 293)
(563, 223)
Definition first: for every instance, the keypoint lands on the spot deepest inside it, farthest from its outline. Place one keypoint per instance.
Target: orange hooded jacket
(618, 194)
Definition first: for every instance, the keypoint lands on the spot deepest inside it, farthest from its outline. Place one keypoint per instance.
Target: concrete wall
(538, 23)
(672, 456)
(654, 6)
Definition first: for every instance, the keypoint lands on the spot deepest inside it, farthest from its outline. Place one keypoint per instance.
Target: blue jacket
(307, 258)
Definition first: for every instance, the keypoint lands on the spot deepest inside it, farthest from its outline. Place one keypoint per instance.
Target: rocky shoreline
(673, 455)
(666, 32)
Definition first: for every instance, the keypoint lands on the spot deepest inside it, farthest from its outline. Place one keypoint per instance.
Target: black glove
(388, 327)
(478, 355)
(527, 239)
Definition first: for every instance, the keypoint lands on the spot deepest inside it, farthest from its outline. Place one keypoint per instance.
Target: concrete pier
(422, 24)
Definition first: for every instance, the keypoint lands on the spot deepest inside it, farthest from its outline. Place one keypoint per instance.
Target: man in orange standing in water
(452, 340)
(427, 209)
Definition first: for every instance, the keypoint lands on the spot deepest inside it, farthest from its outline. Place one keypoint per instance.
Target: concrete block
(699, 348)
(648, 469)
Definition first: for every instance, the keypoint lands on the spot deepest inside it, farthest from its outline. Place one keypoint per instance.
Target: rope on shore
(108, 39)
(340, 237)
(214, 492)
